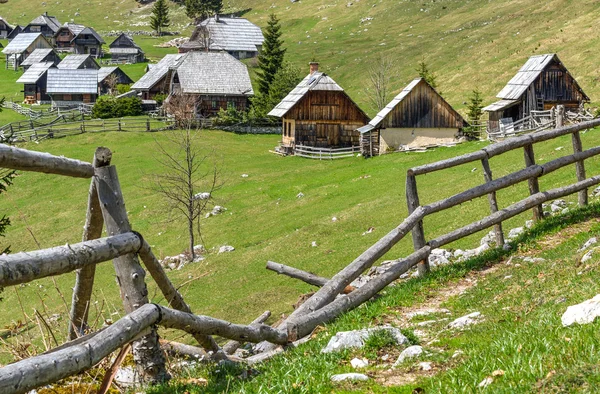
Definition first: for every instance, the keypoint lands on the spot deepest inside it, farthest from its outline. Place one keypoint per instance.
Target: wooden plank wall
(423, 107)
(331, 134)
(326, 105)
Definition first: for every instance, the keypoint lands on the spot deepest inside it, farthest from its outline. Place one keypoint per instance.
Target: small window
(214, 104)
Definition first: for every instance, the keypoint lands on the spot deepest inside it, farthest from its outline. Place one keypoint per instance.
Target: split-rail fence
(106, 208)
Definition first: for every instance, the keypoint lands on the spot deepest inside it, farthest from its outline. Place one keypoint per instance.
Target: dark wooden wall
(326, 105)
(556, 85)
(211, 105)
(327, 134)
(423, 107)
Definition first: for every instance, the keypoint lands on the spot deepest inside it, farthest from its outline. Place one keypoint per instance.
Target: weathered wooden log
(171, 294)
(262, 357)
(302, 325)
(24, 267)
(110, 374)
(513, 210)
(304, 276)
(487, 176)
(579, 167)
(534, 186)
(418, 232)
(84, 280)
(182, 350)
(448, 163)
(26, 160)
(231, 346)
(148, 356)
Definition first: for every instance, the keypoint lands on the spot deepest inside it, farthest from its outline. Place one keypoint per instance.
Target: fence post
(82, 126)
(560, 116)
(149, 358)
(119, 124)
(487, 176)
(84, 281)
(148, 124)
(534, 186)
(418, 233)
(579, 168)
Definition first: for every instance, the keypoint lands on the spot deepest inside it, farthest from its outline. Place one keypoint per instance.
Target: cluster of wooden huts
(319, 113)
(69, 37)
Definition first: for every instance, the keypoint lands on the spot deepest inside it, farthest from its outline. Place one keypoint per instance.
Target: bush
(110, 107)
(160, 98)
(229, 116)
(123, 88)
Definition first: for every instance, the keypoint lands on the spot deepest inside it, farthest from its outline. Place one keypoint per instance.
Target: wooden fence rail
(312, 152)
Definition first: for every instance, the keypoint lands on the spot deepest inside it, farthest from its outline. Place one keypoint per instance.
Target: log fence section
(312, 152)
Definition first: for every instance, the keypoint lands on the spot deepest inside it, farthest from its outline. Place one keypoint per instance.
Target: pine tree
(427, 75)
(271, 56)
(160, 16)
(6, 177)
(474, 107)
(202, 9)
(284, 81)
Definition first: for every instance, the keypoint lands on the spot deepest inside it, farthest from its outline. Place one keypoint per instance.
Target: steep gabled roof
(48, 20)
(157, 72)
(35, 72)
(22, 42)
(380, 117)
(37, 56)
(213, 73)
(90, 31)
(74, 28)
(532, 69)
(15, 31)
(312, 82)
(228, 34)
(75, 61)
(6, 23)
(104, 72)
(128, 40)
(69, 81)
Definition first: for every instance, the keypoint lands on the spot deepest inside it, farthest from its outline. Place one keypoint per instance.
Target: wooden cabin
(78, 62)
(110, 77)
(542, 83)
(34, 82)
(237, 36)
(319, 113)
(42, 55)
(88, 41)
(45, 24)
(70, 87)
(5, 28)
(22, 46)
(124, 50)
(418, 116)
(157, 79)
(65, 35)
(14, 32)
(216, 80)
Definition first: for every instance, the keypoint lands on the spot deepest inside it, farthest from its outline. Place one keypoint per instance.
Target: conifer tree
(202, 9)
(6, 177)
(160, 16)
(271, 56)
(474, 108)
(427, 75)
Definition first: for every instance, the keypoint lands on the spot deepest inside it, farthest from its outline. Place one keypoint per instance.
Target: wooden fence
(106, 208)
(312, 152)
(535, 121)
(58, 130)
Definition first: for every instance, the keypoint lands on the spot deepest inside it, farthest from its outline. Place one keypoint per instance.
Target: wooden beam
(26, 160)
(579, 168)
(534, 186)
(418, 232)
(487, 175)
(304, 276)
(231, 346)
(84, 280)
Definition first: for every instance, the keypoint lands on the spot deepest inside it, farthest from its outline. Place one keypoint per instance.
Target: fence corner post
(418, 233)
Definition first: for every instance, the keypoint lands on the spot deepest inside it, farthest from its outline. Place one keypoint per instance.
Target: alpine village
(299, 196)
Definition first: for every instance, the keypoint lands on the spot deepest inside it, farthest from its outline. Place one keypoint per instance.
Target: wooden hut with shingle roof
(46, 24)
(124, 50)
(319, 113)
(5, 28)
(22, 46)
(542, 83)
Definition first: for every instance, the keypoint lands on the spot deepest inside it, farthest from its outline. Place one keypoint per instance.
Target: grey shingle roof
(90, 31)
(69, 81)
(156, 72)
(229, 34)
(74, 28)
(127, 39)
(132, 51)
(35, 72)
(501, 104)
(46, 19)
(104, 72)
(213, 73)
(37, 56)
(515, 88)
(21, 43)
(314, 81)
(74, 61)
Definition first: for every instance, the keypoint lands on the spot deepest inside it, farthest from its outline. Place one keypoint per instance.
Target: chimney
(314, 67)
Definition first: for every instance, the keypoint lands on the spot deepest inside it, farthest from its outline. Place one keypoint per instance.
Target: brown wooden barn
(157, 79)
(319, 113)
(542, 83)
(417, 116)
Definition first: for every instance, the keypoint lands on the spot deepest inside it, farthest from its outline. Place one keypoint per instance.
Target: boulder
(588, 256)
(465, 321)
(583, 313)
(226, 248)
(358, 363)
(354, 377)
(515, 232)
(356, 339)
(588, 243)
(408, 353)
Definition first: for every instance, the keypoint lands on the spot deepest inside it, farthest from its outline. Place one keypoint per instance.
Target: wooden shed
(42, 55)
(542, 83)
(22, 46)
(5, 28)
(46, 24)
(417, 116)
(34, 82)
(319, 113)
(157, 79)
(124, 50)
(110, 77)
(14, 32)
(70, 87)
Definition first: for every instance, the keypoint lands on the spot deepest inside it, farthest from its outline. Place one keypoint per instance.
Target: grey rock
(588, 243)
(533, 259)
(515, 232)
(408, 353)
(300, 195)
(358, 363)
(226, 248)
(425, 366)
(356, 339)
(465, 321)
(354, 377)
(587, 256)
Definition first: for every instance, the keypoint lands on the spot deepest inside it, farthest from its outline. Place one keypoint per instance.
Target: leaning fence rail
(325, 305)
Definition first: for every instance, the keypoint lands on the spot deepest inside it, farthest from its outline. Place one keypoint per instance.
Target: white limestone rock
(408, 353)
(356, 339)
(583, 313)
(465, 321)
(353, 377)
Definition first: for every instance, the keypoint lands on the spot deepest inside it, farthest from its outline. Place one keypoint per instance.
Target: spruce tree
(6, 177)
(427, 75)
(474, 108)
(271, 56)
(160, 16)
(202, 9)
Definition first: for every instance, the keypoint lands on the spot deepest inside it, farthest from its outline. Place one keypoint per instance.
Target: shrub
(160, 98)
(123, 88)
(110, 107)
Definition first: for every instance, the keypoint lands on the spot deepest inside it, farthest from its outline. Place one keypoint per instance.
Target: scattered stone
(529, 223)
(489, 238)
(334, 219)
(300, 195)
(588, 256)
(425, 312)
(426, 323)
(356, 339)
(408, 353)
(199, 249)
(486, 382)
(508, 277)
(344, 377)
(465, 321)
(506, 247)
(439, 257)
(559, 148)
(244, 175)
(515, 232)
(369, 230)
(425, 366)
(583, 313)
(385, 357)
(533, 259)
(216, 211)
(358, 363)
(313, 244)
(474, 169)
(458, 253)
(588, 243)
(226, 249)
(202, 196)
(596, 192)
(126, 376)
(457, 353)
